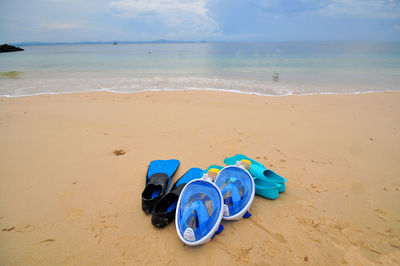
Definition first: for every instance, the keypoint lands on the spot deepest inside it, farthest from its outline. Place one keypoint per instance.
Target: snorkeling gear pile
(199, 200)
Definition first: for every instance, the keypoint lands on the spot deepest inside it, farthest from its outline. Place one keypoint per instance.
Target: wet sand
(66, 198)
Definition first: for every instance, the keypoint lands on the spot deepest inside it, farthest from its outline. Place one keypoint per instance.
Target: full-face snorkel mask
(199, 211)
(237, 188)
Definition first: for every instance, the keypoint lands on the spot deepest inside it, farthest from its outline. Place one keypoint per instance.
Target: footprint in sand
(305, 204)
(244, 254)
(102, 225)
(317, 188)
(8, 229)
(380, 214)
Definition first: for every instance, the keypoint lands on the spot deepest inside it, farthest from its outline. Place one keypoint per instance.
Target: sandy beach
(66, 199)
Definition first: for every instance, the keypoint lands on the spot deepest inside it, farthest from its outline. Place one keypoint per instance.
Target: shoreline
(66, 198)
(198, 89)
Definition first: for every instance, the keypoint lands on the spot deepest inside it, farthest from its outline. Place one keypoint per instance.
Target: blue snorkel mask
(199, 211)
(237, 188)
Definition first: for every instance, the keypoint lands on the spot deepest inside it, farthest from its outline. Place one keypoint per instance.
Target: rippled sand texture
(66, 197)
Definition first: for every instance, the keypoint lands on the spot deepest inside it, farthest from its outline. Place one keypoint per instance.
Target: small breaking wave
(57, 85)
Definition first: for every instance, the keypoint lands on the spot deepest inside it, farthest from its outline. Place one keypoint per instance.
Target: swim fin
(158, 177)
(262, 177)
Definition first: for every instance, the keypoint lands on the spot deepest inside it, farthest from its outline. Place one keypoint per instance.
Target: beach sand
(66, 199)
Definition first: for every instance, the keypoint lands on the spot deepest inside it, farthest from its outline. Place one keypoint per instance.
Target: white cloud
(185, 16)
(382, 9)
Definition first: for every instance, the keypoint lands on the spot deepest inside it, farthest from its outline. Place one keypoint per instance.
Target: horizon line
(162, 41)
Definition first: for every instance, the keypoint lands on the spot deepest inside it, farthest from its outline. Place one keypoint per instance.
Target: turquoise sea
(268, 68)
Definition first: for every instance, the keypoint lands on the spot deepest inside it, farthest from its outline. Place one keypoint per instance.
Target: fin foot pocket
(159, 174)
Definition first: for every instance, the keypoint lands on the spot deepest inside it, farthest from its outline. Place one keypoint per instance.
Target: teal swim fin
(265, 188)
(264, 176)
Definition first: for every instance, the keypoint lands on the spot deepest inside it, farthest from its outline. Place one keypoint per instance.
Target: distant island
(5, 48)
(110, 42)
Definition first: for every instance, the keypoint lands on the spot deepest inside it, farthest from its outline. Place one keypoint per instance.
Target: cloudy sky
(224, 20)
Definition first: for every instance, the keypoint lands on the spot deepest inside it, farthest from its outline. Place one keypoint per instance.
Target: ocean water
(274, 68)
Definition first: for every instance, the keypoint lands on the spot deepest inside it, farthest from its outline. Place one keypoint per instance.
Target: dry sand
(66, 199)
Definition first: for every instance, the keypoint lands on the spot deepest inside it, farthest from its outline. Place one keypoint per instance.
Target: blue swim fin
(159, 174)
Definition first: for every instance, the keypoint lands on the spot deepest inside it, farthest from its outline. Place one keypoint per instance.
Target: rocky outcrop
(9, 48)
